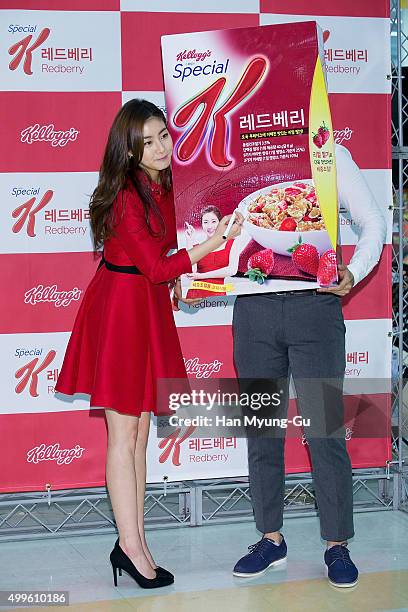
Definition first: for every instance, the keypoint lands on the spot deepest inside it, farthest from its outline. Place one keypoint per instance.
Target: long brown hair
(126, 135)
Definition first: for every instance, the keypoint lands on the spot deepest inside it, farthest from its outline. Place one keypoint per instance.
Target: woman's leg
(122, 486)
(140, 470)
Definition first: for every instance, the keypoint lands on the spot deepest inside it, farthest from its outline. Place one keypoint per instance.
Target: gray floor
(201, 558)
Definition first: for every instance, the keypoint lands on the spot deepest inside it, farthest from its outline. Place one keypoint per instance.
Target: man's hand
(345, 285)
(178, 298)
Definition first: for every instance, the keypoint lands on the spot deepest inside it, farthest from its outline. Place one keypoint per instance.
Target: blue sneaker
(262, 555)
(340, 569)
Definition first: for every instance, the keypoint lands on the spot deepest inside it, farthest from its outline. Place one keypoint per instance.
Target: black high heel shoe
(159, 570)
(163, 572)
(120, 561)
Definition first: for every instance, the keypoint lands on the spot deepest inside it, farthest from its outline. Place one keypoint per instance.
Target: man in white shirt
(303, 333)
(355, 196)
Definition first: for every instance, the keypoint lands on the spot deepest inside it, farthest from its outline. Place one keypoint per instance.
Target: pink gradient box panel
(243, 143)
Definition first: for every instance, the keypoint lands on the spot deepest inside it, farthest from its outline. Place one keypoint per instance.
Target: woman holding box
(125, 324)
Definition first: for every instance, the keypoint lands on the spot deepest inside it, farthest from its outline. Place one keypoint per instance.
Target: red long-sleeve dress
(124, 337)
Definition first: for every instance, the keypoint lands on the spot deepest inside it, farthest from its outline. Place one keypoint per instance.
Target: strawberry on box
(253, 131)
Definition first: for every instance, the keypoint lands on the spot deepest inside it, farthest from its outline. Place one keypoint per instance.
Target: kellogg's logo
(51, 294)
(202, 370)
(342, 135)
(53, 452)
(198, 56)
(347, 436)
(349, 433)
(48, 133)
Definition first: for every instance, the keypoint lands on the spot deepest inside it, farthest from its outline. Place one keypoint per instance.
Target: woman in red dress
(214, 267)
(124, 330)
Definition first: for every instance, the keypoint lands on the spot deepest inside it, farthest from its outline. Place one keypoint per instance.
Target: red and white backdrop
(64, 75)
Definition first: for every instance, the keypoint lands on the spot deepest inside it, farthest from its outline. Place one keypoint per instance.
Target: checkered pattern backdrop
(64, 75)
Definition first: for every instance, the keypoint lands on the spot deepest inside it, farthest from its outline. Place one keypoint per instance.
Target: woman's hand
(189, 230)
(194, 275)
(171, 284)
(197, 252)
(179, 298)
(235, 229)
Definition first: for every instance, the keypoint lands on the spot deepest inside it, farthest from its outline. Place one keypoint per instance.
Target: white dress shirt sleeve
(356, 197)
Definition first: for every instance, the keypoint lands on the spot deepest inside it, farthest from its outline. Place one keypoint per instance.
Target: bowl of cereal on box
(281, 215)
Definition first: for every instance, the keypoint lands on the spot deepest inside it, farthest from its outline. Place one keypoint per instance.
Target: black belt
(123, 269)
(300, 292)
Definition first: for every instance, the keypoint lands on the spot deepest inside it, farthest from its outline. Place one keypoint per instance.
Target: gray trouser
(303, 335)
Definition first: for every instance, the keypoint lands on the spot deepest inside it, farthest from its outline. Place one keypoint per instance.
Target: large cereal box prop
(250, 119)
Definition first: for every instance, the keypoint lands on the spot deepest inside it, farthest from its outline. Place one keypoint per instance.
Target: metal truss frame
(86, 511)
(195, 503)
(399, 269)
(226, 502)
